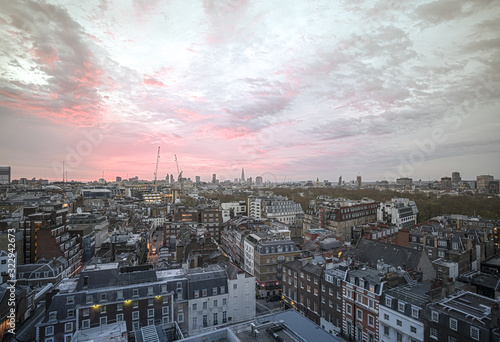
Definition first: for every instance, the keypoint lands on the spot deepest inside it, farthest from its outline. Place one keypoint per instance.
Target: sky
(292, 90)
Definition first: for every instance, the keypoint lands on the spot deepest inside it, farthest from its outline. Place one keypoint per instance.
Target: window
(222, 289)
(135, 292)
(302, 274)
(135, 315)
(371, 304)
(386, 330)
(413, 329)
(135, 304)
(386, 317)
(86, 324)
(119, 294)
(359, 315)
(224, 301)
(399, 323)
(104, 297)
(119, 306)
(330, 292)
(150, 290)
(235, 286)
(315, 291)
(49, 331)
(216, 317)
(339, 307)
(85, 312)
(205, 305)
(348, 308)
(103, 309)
(315, 280)
(215, 303)
(371, 320)
(204, 292)
(359, 298)
(388, 301)
(453, 324)
(452, 339)
(474, 333)
(165, 300)
(434, 316)
(180, 317)
(197, 293)
(150, 302)
(195, 307)
(164, 288)
(119, 317)
(151, 313)
(164, 311)
(414, 312)
(52, 315)
(323, 288)
(399, 337)
(135, 326)
(323, 301)
(195, 322)
(214, 291)
(224, 317)
(103, 320)
(433, 333)
(205, 321)
(70, 300)
(401, 307)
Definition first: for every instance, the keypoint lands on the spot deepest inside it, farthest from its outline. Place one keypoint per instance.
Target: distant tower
(198, 179)
(167, 179)
(455, 177)
(340, 180)
(171, 179)
(214, 178)
(118, 179)
(258, 181)
(5, 175)
(358, 181)
(242, 175)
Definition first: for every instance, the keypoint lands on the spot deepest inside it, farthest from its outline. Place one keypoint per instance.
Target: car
(273, 298)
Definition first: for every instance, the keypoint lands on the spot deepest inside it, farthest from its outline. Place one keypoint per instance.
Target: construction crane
(156, 170)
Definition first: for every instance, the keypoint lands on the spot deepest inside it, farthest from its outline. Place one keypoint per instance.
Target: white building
(399, 212)
(239, 209)
(278, 208)
(401, 313)
(241, 288)
(249, 245)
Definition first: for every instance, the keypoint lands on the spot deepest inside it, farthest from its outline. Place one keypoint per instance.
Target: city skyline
(301, 90)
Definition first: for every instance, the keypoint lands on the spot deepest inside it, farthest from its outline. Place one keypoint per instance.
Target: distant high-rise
(445, 183)
(482, 182)
(242, 175)
(214, 178)
(455, 177)
(171, 179)
(358, 181)
(198, 179)
(340, 180)
(167, 179)
(118, 179)
(258, 181)
(5, 175)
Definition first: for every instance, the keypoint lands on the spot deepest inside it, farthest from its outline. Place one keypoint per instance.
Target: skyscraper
(242, 175)
(358, 181)
(4, 174)
(455, 177)
(214, 178)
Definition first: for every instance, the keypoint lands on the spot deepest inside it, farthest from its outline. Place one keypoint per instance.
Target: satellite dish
(79, 210)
